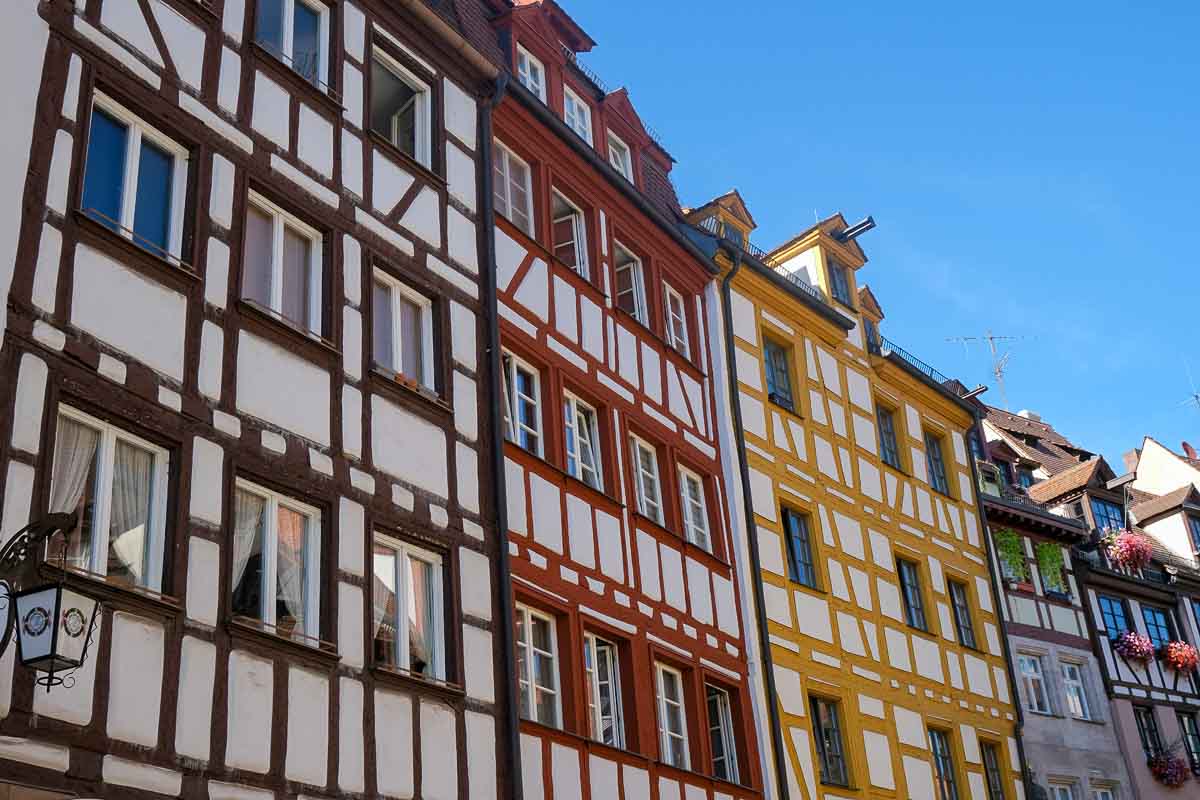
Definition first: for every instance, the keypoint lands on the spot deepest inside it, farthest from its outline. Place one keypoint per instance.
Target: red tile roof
(1037, 441)
(1067, 481)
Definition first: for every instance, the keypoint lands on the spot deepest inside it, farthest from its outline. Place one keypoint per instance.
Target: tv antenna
(999, 360)
(1194, 400)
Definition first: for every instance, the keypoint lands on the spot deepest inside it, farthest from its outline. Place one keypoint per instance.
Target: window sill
(598, 496)
(665, 349)
(450, 692)
(408, 162)
(181, 277)
(688, 547)
(250, 632)
(264, 57)
(287, 334)
(407, 389)
(789, 409)
(120, 596)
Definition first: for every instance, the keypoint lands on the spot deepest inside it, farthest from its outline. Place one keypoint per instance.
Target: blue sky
(1033, 169)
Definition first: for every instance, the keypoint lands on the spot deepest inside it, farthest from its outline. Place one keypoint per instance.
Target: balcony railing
(591, 75)
(882, 346)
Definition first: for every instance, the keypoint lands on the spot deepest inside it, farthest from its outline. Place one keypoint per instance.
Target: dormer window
(577, 114)
(531, 73)
(839, 283)
(620, 157)
(1194, 529)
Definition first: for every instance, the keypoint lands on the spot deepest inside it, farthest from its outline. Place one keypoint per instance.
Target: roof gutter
(828, 312)
(450, 36)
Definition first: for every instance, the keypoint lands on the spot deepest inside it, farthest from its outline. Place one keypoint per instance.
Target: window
(889, 451)
(871, 331)
(839, 283)
(1196, 612)
(976, 447)
(620, 157)
(570, 234)
(537, 666)
(992, 770)
(135, 180)
(1112, 611)
(513, 189)
(1107, 515)
(910, 585)
(522, 404)
(1159, 627)
(961, 602)
(1062, 791)
(1025, 477)
(281, 265)
(672, 718)
(677, 329)
(117, 483)
(400, 108)
(583, 441)
(602, 669)
(645, 479)
(1191, 737)
(631, 287)
(695, 510)
(937, 465)
(827, 735)
(408, 609)
(276, 562)
(1102, 794)
(1034, 681)
(531, 73)
(1194, 529)
(720, 734)
(296, 31)
(577, 114)
(402, 330)
(801, 564)
(1077, 700)
(779, 374)
(1147, 726)
(943, 763)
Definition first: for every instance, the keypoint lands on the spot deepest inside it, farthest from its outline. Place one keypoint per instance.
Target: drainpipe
(499, 492)
(752, 531)
(998, 603)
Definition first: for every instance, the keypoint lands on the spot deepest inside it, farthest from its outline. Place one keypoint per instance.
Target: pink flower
(1128, 549)
(1169, 770)
(1133, 646)
(1181, 656)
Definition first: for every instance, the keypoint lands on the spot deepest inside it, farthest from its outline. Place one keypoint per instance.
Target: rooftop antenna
(999, 360)
(1194, 400)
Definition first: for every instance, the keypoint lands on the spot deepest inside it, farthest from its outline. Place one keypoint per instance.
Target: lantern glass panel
(36, 614)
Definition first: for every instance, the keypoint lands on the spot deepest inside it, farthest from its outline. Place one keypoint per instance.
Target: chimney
(1189, 451)
(1029, 415)
(1132, 458)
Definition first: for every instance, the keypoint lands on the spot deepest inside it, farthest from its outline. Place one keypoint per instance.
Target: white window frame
(1061, 791)
(724, 726)
(617, 144)
(1104, 793)
(423, 100)
(512, 423)
(1077, 683)
(403, 552)
(279, 219)
(637, 444)
(639, 282)
(138, 129)
(677, 321)
(1038, 702)
(665, 736)
(577, 114)
(397, 290)
(528, 712)
(106, 447)
(525, 61)
(591, 643)
(696, 523)
(579, 230)
(289, 38)
(571, 411)
(312, 557)
(507, 156)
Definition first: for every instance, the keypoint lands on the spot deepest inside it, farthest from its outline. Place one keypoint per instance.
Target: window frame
(824, 757)
(637, 443)
(572, 98)
(724, 727)
(661, 702)
(641, 311)
(1061, 791)
(1079, 685)
(945, 773)
(889, 444)
(793, 540)
(525, 59)
(993, 772)
(579, 226)
(281, 219)
(679, 339)
(778, 357)
(1099, 503)
(502, 153)
(398, 289)
(108, 435)
(1109, 606)
(690, 525)
(912, 594)
(1189, 728)
(407, 550)
(572, 405)
(529, 612)
(137, 130)
(591, 645)
(1031, 682)
(423, 125)
(839, 282)
(286, 53)
(960, 604)
(1148, 734)
(512, 426)
(936, 463)
(627, 171)
(1156, 627)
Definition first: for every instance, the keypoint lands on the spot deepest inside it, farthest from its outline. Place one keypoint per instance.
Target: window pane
(290, 602)
(297, 266)
(411, 339)
(386, 613)
(256, 257)
(104, 178)
(152, 213)
(129, 520)
(73, 487)
(394, 108)
(306, 42)
(381, 326)
(249, 523)
(518, 180)
(422, 618)
(268, 25)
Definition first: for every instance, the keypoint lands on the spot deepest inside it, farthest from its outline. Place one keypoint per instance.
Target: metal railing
(716, 228)
(594, 77)
(880, 345)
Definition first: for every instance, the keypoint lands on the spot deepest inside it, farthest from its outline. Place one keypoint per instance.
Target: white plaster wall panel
(135, 681)
(476, 582)
(699, 592)
(603, 776)
(185, 42)
(439, 753)
(770, 551)
(608, 541)
(461, 113)
(229, 86)
(1000, 676)
(636, 782)
(779, 432)
(352, 421)
(977, 787)
(354, 31)
(745, 318)
(203, 579)
(393, 745)
(826, 461)
(389, 183)
(775, 599)
(248, 739)
(514, 486)
(868, 479)
(194, 705)
(749, 368)
(871, 635)
(460, 176)
(928, 657)
(564, 772)
(960, 449)
(350, 624)
(424, 218)
(983, 593)
(466, 463)
(879, 760)
(668, 789)
(351, 737)
(509, 257)
(102, 284)
(45, 273)
(837, 418)
(849, 635)
(566, 321)
(308, 727)
(897, 649)
(672, 577)
(947, 625)
(850, 533)
(351, 536)
(533, 292)
(924, 507)
(31, 398)
(579, 532)
(266, 372)
(314, 141)
(127, 22)
(910, 728)
(481, 756)
(546, 500)
(229, 791)
(858, 389)
(970, 744)
(462, 336)
(812, 616)
(918, 777)
(123, 772)
(800, 742)
(74, 706)
(421, 459)
(847, 470)
(816, 404)
(352, 341)
(1063, 620)
(993, 637)
(37, 754)
(212, 345)
(954, 670)
(477, 654)
(652, 382)
(270, 115)
(762, 494)
(216, 274)
(591, 320)
(18, 491)
(753, 419)
(71, 93)
(352, 165)
(675, 399)
(864, 432)
(861, 583)
(532, 776)
(837, 580)
(830, 376)
(220, 203)
(881, 550)
(913, 421)
(978, 680)
(972, 531)
(352, 94)
(233, 18)
(627, 357)
(60, 171)
(648, 562)
(463, 245)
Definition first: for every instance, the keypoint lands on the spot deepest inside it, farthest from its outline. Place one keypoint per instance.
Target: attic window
(619, 156)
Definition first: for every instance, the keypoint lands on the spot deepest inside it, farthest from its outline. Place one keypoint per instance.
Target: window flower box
(1133, 646)
(1180, 656)
(1169, 770)
(1128, 549)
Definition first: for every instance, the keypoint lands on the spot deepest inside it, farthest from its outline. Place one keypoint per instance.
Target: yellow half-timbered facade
(886, 666)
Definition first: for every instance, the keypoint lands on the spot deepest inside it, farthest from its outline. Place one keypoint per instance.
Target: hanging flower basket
(1133, 646)
(1169, 770)
(1128, 549)
(1180, 656)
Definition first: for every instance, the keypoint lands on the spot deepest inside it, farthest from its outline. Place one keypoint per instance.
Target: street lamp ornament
(53, 624)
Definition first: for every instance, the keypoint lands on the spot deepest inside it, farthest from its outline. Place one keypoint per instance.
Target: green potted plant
(1011, 551)
(1051, 565)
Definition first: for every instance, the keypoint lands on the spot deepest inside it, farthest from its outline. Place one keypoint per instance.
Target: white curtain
(74, 457)
(290, 568)
(133, 472)
(247, 538)
(419, 657)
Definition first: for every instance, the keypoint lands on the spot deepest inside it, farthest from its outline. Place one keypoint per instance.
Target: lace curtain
(133, 471)
(293, 528)
(247, 541)
(74, 457)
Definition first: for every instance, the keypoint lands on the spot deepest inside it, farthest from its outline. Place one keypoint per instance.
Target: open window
(581, 426)
(282, 264)
(721, 735)
(513, 188)
(570, 233)
(537, 667)
(407, 597)
(672, 717)
(695, 509)
(936, 461)
(602, 670)
(620, 156)
(677, 326)
(522, 404)
(297, 33)
(646, 479)
(631, 285)
(401, 108)
(827, 733)
(778, 360)
(577, 114)
(802, 565)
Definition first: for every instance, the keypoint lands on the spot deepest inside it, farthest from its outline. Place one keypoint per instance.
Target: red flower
(1181, 656)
